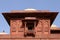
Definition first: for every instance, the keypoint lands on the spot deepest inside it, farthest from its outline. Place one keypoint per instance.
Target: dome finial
(30, 9)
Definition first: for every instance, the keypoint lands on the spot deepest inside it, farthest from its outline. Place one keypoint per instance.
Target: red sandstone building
(31, 25)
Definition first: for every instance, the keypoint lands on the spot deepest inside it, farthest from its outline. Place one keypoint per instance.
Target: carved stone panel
(39, 29)
(15, 26)
(46, 26)
(39, 26)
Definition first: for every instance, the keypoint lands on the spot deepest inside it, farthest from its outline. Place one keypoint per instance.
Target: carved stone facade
(33, 25)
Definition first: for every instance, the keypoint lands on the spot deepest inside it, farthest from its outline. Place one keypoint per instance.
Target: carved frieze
(39, 26)
(16, 25)
(46, 26)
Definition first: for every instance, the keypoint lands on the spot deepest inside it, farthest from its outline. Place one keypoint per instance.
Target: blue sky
(8, 5)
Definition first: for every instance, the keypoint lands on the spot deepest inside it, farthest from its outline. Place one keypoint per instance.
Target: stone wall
(42, 31)
(51, 37)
